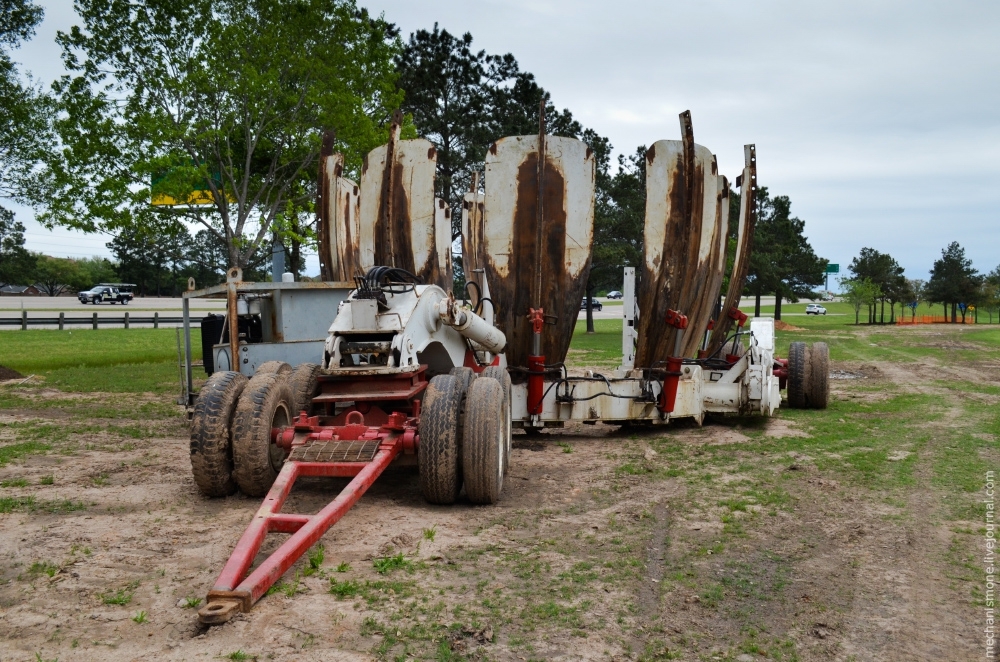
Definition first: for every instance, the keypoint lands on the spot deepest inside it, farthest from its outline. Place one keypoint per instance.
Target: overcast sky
(880, 120)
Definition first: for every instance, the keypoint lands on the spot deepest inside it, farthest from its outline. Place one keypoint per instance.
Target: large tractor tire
(439, 458)
(819, 380)
(484, 446)
(266, 403)
(211, 433)
(799, 374)
(273, 368)
(304, 382)
(502, 376)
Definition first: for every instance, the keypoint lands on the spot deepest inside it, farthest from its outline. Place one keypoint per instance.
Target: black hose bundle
(381, 280)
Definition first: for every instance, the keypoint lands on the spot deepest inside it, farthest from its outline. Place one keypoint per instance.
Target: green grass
(106, 360)
(847, 341)
(19, 450)
(121, 596)
(603, 348)
(30, 504)
(388, 564)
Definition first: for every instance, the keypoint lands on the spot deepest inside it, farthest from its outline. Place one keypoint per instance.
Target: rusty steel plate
(338, 228)
(744, 244)
(473, 241)
(718, 272)
(398, 211)
(443, 241)
(681, 258)
(335, 451)
(531, 263)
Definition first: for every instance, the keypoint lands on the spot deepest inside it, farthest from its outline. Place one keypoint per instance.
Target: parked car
(815, 309)
(615, 294)
(107, 292)
(595, 306)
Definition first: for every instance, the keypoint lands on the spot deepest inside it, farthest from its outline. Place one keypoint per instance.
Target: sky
(879, 119)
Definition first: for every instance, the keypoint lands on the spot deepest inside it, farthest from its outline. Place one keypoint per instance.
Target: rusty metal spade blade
(338, 228)
(538, 230)
(744, 243)
(402, 224)
(684, 245)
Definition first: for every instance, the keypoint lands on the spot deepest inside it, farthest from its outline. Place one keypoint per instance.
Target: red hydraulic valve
(668, 394)
(738, 316)
(676, 319)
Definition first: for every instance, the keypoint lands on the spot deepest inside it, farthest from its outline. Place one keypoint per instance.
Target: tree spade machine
(408, 374)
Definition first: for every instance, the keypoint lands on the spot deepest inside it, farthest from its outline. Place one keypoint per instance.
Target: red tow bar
(355, 450)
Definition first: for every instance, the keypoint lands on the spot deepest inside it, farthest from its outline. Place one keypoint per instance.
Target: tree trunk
(954, 312)
(892, 312)
(777, 305)
(756, 305)
(857, 315)
(590, 308)
(881, 316)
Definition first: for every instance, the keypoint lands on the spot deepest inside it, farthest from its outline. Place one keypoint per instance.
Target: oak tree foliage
(218, 102)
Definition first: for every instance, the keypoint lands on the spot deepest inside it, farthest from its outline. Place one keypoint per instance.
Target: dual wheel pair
(808, 375)
(465, 427)
(231, 426)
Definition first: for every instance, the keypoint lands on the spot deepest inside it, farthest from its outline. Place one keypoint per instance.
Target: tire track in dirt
(906, 607)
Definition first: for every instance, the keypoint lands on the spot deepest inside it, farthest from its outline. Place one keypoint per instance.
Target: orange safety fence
(934, 319)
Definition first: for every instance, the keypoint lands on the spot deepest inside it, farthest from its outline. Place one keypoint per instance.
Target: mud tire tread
(798, 375)
(253, 471)
(819, 380)
(272, 368)
(304, 383)
(439, 456)
(211, 433)
(480, 447)
(502, 376)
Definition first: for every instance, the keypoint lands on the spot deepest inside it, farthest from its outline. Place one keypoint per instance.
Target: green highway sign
(833, 268)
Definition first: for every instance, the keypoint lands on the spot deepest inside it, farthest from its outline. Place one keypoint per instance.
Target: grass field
(110, 360)
(852, 532)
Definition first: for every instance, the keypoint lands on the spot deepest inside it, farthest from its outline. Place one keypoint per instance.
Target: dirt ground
(742, 540)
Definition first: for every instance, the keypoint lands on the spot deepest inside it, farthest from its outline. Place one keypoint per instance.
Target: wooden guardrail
(93, 321)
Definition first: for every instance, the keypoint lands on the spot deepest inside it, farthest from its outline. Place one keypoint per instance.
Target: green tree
(883, 270)
(24, 110)
(860, 292)
(94, 270)
(56, 275)
(225, 100)
(989, 298)
(24, 136)
(782, 261)
(953, 281)
(918, 294)
(462, 100)
(148, 256)
(17, 265)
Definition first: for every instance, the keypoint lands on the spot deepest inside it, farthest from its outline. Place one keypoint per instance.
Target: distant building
(19, 291)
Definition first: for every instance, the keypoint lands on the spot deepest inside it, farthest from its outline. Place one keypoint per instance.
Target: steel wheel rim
(279, 419)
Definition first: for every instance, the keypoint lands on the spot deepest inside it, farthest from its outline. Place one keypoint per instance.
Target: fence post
(62, 320)
(126, 320)
(95, 321)
(24, 320)
(156, 320)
